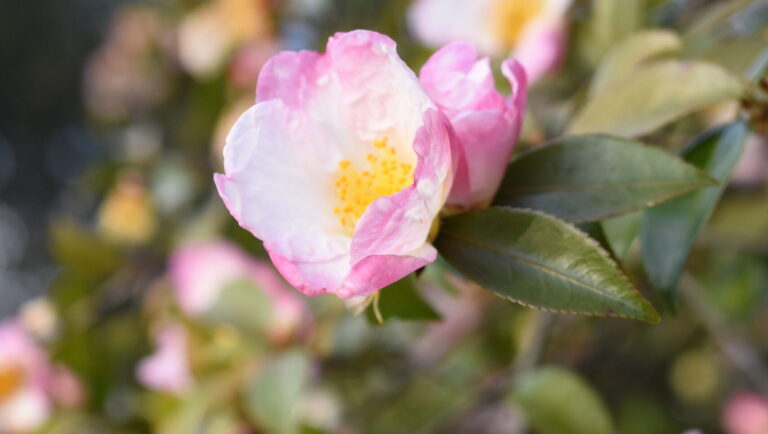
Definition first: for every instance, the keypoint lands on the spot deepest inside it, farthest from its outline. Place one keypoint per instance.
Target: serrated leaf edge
(653, 316)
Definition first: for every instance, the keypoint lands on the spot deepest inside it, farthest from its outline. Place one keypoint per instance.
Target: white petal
(279, 182)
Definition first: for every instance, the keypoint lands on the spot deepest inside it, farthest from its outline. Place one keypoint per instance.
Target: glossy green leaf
(667, 232)
(620, 232)
(653, 95)
(587, 178)
(401, 300)
(272, 395)
(539, 261)
(631, 54)
(558, 401)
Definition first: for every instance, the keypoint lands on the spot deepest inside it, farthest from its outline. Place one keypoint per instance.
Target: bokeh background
(113, 116)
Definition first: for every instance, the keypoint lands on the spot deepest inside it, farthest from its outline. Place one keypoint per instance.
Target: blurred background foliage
(112, 120)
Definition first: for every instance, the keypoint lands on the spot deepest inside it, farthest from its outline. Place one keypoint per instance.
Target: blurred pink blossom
(341, 167)
(122, 78)
(487, 124)
(65, 388)
(532, 31)
(29, 383)
(746, 413)
(752, 168)
(247, 61)
(210, 33)
(199, 272)
(167, 369)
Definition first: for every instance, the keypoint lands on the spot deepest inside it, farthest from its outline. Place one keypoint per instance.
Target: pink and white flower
(533, 31)
(29, 383)
(341, 167)
(167, 369)
(486, 123)
(200, 272)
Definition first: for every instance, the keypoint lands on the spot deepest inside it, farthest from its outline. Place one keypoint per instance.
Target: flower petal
(199, 272)
(377, 271)
(290, 77)
(541, 48)
(438, 22)
(486, 123)
(282, 193)
(167, 369)
(458, 81)
(26, 411)
(312, 278)
(399, 224)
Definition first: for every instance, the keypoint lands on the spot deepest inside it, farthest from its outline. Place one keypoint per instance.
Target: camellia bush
(447, 216)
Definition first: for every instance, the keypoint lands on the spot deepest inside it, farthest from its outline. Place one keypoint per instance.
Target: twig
(529, 356)
(734, 346)
(498, 386)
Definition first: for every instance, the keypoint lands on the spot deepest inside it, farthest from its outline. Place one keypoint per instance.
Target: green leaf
(621, 232)
(271, 396)
(402, 300)
(82, 253)
(419, 408)
(667, 232)
(539, 261)
(557, 401)
(759, 67)
(244, 305)
(631, 54)
(587, 178)
(611, 22)
(653, 95)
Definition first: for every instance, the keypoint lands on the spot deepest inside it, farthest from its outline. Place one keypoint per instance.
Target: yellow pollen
(10, 380)
(510, 17)
(385, 175)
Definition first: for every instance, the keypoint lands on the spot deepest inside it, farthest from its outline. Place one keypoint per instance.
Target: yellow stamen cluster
(357, 189)
(510, 17)
(10, 380)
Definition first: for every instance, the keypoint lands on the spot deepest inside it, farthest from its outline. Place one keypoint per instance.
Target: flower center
(356, 190)
(511, 16)
(10, 381)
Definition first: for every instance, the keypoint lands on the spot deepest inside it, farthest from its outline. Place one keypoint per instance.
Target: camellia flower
(200, 272)
(29, 383)
(167, 369)
(487, 124)
(341, 167)
(533, 31)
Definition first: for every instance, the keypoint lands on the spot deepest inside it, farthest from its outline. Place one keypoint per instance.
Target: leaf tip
(648, 313)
